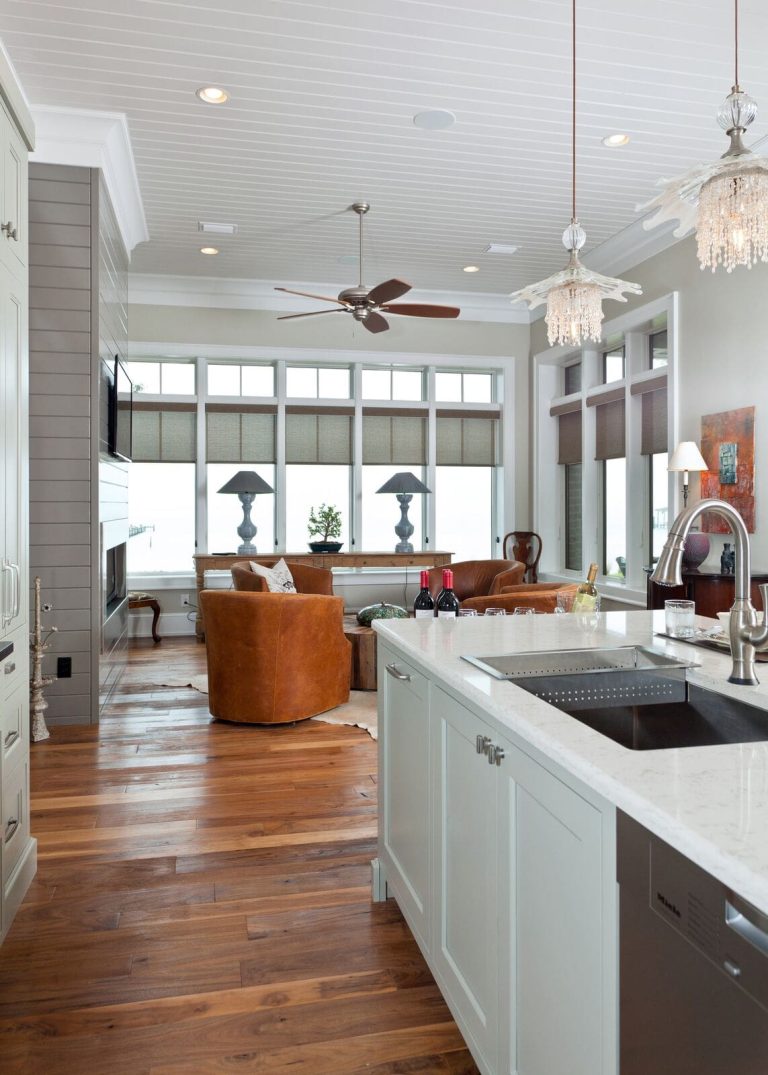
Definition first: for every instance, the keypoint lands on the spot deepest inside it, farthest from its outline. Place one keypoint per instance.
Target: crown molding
(89, 139)
(229, 293)
(15, 99)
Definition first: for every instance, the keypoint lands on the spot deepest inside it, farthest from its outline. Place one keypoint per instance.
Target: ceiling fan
(366, 303)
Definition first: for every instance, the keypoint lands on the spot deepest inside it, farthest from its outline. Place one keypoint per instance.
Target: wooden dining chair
(525, 546)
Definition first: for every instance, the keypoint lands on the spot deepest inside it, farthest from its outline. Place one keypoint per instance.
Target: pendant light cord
(573, 109)
(736, 41)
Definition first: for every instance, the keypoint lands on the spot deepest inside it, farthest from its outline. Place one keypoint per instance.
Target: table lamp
(246, 483)
(404, 485)
(685, 457)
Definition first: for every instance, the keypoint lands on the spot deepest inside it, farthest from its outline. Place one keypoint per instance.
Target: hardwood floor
(202, 902)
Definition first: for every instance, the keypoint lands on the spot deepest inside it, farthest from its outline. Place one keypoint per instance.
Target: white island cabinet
(505, 872)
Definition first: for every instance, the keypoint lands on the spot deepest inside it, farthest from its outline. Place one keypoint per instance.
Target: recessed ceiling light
(613, 141)
(212, 95)
(208, 250)
(437, 120)
(471, 268)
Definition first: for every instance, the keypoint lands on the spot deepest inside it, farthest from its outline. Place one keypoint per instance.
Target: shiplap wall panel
(60, 425)
(112, 329)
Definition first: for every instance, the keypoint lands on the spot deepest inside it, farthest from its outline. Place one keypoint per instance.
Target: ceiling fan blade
(375, 322)
(390, 289)
(313, 313)
(418, 309)
(309, 295)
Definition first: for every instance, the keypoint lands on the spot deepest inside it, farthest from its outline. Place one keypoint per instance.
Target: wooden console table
(209, 561)
(711, 591)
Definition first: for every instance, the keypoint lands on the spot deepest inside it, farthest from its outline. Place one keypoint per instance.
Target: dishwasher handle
(746, 921)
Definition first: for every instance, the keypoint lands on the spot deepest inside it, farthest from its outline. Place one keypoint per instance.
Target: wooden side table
(136, 599)
(363, 639)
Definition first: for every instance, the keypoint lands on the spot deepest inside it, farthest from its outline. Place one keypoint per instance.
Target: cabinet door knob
(395, 671)
(10, 231)
(498, 755)
(10, 667)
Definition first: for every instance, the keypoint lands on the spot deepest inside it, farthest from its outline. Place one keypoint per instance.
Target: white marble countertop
(711, 803)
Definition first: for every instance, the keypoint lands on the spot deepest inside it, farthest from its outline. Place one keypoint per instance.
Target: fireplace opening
(115, 579)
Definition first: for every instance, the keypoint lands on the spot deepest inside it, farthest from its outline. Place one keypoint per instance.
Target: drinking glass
(564, 600)
(523, 610)
(467, 611)
(495, 612)
(678, 618)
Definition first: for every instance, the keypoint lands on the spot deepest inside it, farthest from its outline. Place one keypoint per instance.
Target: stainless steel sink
(633, 695)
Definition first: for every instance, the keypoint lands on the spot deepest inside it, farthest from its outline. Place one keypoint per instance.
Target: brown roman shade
(610, 429)
(653, 429)
(240, 433)
(569, 437)
(164, 433)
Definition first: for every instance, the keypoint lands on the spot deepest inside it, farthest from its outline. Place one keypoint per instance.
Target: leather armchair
(306, 579)
(541, 597)
(274, 658)
(478, 578)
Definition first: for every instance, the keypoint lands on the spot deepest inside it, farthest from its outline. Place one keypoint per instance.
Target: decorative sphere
(382, 611)
(574, 236)
(737, 111)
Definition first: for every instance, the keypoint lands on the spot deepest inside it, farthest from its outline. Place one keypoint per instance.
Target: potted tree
(325, 525)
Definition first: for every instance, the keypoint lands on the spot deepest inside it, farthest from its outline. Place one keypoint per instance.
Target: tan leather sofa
(478, 578)
(541, 597)
(306, 579)
(273, 657)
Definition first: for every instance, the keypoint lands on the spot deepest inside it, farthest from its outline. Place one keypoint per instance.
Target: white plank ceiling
(323, 94)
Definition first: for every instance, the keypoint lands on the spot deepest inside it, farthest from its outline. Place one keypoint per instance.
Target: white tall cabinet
(17, 848)
(505, 873)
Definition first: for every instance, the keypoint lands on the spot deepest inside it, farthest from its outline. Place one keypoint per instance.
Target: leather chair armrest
(507, 578)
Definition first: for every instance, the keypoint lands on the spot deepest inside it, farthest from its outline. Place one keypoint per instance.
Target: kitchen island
(497, 829)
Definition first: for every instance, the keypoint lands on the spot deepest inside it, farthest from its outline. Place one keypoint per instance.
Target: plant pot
(325, 546)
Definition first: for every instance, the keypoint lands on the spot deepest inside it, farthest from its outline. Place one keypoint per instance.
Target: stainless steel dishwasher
(693, 966)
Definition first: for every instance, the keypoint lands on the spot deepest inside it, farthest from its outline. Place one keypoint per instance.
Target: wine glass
(495, 612)
(523, 610)
(467, 611)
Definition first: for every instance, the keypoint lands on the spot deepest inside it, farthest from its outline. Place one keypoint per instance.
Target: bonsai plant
(325, 525)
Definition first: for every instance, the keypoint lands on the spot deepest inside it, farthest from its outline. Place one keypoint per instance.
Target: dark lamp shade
(246, 481)
(404, 482)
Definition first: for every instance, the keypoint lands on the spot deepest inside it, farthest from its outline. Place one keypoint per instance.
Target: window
(229, 379)
(613, 364)
(464, 511)
(162, 378)
(659, 502)
(572, 378)
(161, 515)
(657, 349)
(225, 511)
(615, 518)
(394, 383)
(392, 442)
(313, 382)
(451, 387)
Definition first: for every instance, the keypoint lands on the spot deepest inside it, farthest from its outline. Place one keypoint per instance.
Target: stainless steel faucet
(747, 636)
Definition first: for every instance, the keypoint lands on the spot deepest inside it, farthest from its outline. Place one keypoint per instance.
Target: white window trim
(547, 473)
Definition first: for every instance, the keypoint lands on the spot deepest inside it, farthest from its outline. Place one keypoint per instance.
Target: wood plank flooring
(202, 903)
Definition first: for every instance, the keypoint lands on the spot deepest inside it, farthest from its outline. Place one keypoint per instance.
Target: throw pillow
(278, 578)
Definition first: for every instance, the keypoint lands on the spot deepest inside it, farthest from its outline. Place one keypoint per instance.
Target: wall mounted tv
(117, 409)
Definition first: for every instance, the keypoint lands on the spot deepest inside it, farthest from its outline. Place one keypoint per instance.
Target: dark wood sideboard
(710, 590)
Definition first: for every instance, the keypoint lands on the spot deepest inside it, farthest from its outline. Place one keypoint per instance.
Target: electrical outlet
(184, 599)
(64, 668)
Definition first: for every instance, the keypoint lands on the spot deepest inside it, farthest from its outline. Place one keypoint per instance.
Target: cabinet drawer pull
(10, 231)
(482, 744)
(395, 671)
(10, 829)
(11, 738)
(10, 667)
(498, 755)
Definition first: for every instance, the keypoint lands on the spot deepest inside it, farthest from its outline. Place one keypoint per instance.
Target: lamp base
(403, 546)
(248, 549)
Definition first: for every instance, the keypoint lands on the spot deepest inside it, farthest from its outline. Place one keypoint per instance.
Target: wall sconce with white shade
(686, 457)
(247, 484)
(404, 485)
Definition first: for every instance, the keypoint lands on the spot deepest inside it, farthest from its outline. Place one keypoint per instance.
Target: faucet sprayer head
(667, 570)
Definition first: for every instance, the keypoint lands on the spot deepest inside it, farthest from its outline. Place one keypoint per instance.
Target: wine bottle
(424, 605)
(447, 603)
(586, 598)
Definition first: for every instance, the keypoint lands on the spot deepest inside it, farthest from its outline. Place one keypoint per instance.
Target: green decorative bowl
(381, 611)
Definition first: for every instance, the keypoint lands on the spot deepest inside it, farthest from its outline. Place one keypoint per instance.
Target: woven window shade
(395, 439)
(573, 518)
(163, 435)
(467, 442)
(609, 430)
(569, 437)
(318, 438)
(653, 428)
(234, 436)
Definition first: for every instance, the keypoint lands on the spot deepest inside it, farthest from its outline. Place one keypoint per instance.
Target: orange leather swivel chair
(541, 598)
(306, 579)
(477, 578)
(274, 657)
(525, 546)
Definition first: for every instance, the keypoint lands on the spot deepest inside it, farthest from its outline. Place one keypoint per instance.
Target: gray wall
(60, 423)
(72, 258)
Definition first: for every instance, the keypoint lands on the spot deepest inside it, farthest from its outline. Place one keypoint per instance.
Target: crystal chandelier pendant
(726, 202)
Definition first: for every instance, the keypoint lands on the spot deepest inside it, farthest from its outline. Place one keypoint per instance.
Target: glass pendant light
(574, 296)
(726, 202)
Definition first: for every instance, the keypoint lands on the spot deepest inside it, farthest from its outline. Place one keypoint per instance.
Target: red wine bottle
(424, 605)
(447, 603)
